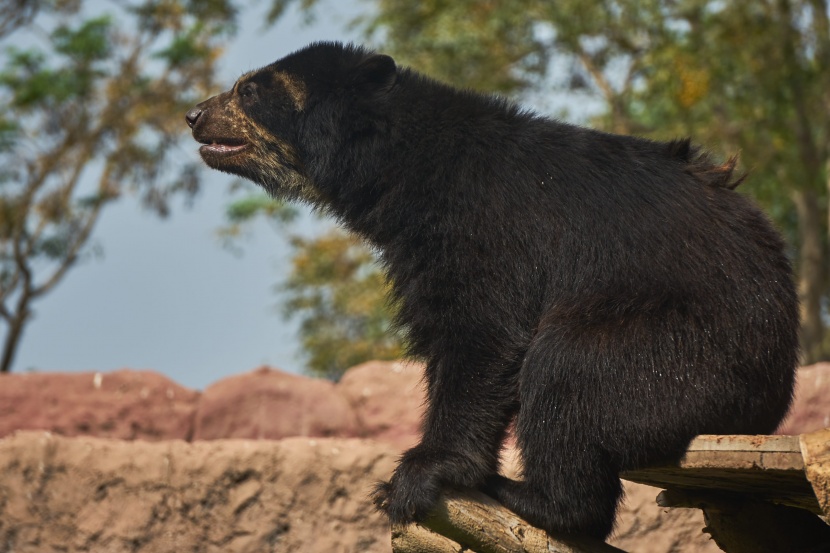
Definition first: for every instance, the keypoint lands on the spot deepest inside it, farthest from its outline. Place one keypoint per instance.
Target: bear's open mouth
(222, 146)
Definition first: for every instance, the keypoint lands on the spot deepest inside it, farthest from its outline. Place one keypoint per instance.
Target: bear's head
(285, 125)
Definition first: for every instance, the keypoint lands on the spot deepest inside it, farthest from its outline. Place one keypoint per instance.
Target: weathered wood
(479, 524)
(414, 538)
(760, 468)
(759, 494)
(816, 450)
(740, 526)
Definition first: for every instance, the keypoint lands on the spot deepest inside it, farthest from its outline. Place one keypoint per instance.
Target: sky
(166, 295)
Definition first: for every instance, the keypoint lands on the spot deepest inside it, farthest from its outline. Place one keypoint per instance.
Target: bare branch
(81, 238)
(620, 123)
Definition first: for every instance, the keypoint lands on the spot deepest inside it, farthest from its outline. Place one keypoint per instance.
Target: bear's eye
(247, 90)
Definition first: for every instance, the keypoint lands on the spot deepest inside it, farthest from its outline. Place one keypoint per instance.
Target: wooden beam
(761, 468)
(738, 525)
(816, 450)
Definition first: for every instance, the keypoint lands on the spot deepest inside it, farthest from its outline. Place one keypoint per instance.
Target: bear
(609, 296)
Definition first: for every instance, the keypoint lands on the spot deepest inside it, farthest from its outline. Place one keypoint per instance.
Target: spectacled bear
(612, 295)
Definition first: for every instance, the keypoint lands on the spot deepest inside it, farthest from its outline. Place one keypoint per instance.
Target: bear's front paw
(413, 489)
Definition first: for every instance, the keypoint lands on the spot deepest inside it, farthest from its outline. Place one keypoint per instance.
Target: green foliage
(279, 7)
(88, 113)
(9, 132)
(486, 45)
(183, 48)
(339, 294)
(251, 205)
(89, 42)
(335, 289)
(33, 83)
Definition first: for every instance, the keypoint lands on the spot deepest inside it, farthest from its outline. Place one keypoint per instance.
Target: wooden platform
(760, 468)
(760, 494)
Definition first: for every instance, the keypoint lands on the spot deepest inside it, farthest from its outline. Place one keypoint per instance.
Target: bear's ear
(377, 74)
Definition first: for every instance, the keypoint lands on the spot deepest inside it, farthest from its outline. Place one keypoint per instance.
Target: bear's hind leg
(577, 502)
(570, 468)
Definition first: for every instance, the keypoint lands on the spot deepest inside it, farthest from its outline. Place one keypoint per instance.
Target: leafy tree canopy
(90, 109)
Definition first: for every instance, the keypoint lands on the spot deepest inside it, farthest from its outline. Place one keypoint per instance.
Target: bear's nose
(192, 116)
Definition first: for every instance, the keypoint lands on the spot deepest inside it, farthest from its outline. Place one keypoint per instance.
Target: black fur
(610, 294)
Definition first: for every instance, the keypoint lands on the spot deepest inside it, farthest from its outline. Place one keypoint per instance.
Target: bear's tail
(699, 165)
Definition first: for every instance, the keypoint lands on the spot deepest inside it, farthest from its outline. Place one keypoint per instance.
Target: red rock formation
(123, 404)
(271, 404)
(388, 398)
(811, 408)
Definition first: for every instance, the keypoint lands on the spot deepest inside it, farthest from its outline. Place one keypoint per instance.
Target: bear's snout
(192, 116)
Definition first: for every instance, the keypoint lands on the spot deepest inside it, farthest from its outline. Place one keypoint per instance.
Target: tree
(90, 113)
(252, 204)
(748, 77)
(335, 288)
(342, 298)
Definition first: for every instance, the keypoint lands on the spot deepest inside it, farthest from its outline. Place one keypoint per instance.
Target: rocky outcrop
(380, 399)
(123, 404)
(388, 398)
(271, 404)
(811, 406)
(231, 496)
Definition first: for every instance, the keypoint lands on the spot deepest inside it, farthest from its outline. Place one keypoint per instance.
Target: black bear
(612, 295)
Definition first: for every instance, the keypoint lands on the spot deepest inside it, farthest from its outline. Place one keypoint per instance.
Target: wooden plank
(741, 442)
(765, 468)
(739, 525)
(816, 449)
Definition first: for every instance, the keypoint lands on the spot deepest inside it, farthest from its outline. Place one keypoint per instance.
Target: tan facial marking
(270, 156)
(296, 89)
(274, 158)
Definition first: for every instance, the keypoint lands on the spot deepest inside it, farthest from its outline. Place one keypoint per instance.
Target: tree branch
(620, 122)
(81, 238)
(469, 520)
